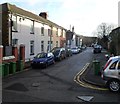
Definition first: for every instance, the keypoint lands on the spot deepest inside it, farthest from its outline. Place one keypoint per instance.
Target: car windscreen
(41, 55)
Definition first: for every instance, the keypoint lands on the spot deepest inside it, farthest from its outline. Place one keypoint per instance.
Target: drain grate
(17, 87)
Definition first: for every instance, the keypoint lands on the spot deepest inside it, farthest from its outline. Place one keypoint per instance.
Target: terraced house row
(36, 32)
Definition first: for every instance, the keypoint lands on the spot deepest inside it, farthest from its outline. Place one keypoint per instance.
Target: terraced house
(36, 32)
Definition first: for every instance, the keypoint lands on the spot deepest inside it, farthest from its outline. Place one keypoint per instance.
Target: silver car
(111, 74)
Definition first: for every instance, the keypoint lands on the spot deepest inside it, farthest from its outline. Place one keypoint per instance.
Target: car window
(56, 52)
(113, 66)
(119, 65)
(41, 55)
(48, 55)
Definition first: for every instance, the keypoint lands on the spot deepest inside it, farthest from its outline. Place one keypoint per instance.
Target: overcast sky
(84, 15)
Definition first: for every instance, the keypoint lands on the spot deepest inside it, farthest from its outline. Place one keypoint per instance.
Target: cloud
(85, 15)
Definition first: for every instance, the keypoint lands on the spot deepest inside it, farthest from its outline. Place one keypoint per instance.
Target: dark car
(59, 53)
(42, 60)
(68, 52)
(97, 49)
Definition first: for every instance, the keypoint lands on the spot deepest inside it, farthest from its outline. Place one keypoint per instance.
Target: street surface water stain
(17, 87)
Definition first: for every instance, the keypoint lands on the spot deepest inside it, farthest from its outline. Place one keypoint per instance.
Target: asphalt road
(54, 84)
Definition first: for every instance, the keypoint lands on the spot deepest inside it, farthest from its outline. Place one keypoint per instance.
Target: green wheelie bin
(96, 66)
(6, 69)
(12, 69)
(2, 70)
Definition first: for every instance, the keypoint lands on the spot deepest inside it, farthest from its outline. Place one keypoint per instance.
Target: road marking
(83, 84)
(85, 98)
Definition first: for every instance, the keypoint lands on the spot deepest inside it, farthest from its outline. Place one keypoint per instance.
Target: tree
(102, 32)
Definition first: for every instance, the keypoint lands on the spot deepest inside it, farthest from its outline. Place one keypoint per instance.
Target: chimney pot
(43, 14)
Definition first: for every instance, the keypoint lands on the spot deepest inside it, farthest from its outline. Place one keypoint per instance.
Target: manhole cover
(17, 87)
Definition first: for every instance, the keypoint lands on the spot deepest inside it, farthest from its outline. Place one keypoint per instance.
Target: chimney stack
(43, 14)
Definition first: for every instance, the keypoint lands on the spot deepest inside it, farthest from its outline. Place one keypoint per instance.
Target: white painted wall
(24, 36)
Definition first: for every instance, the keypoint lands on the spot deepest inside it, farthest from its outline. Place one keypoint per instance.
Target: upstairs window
(61, 33)
(49, 32)
(57, 32)
(42, 31)
(14, 23)
(56, 43)
(32, 27)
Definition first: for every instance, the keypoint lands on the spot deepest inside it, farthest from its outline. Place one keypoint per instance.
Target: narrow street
(54, 84)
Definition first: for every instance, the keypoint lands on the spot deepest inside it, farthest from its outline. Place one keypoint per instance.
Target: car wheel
(33, 67)
(45, 65)
(114, 85)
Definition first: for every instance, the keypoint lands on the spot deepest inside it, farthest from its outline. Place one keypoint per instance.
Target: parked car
(68, 52)
(75, 50)
(59, 53)
(80, 49)
(42, 60)
(111, 74)
(97, 49)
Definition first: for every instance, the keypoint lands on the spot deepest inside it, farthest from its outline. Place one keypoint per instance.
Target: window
(32, 27)
(14, 42)
(57, 32)
(113, 66)
(56, 43)
(61, 33)
(49, 32)
(42, 31)
(119, 65)
(42, 46)
(14, 23)
(32, 47)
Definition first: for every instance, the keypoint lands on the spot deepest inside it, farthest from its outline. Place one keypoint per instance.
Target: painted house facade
(73, 39)
(23, 27)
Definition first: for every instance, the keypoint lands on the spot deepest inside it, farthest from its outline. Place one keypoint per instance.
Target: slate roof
(14, 9)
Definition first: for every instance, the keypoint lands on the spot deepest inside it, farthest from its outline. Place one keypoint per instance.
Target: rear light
(106, 65)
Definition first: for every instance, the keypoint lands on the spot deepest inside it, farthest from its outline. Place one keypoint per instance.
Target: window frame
(42, 31)
(57, 32)
(14, 42)
(49, 32)
(42, 46)
(32, 27)
(32, 46)
(14, 23)
(118, 66)
(114, 67)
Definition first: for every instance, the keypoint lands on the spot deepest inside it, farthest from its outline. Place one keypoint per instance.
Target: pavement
(89, 75)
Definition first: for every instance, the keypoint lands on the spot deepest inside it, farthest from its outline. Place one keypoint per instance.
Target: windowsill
(31, 54)
(14, 31)
(31, 32)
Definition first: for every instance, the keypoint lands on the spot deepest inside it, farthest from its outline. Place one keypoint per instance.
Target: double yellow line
(83, 84)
